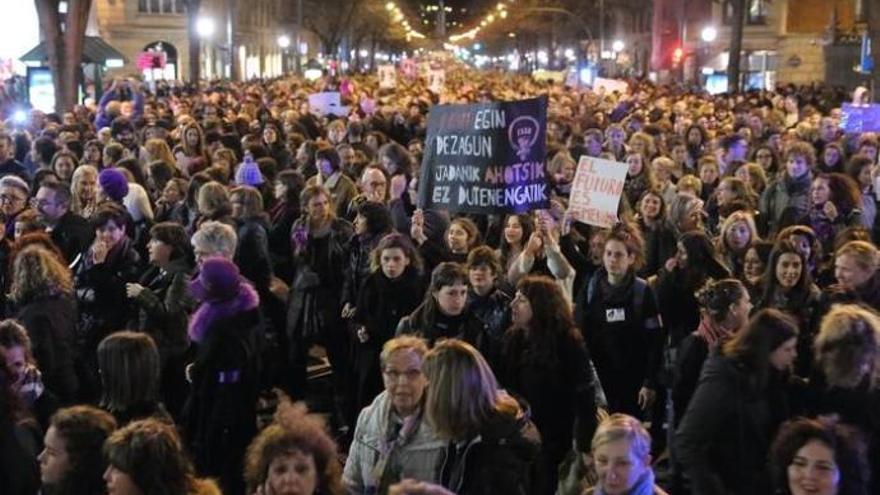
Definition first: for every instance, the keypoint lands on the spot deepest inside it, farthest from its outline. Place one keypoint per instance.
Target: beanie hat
(248, 173)
(113, 183)
(218, 280)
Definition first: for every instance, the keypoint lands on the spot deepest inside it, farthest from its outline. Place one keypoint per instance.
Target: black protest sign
(486, 158)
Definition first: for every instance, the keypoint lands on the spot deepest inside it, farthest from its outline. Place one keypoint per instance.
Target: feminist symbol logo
(522, 133)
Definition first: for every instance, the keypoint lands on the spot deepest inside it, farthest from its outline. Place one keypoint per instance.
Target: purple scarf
(211, 311)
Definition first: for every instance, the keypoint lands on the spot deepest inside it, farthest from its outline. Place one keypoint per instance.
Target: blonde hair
(691, 182)
(623, 427)
(213, 199)
(37, 272)
(865, 254)
(404, 343)
(76, 202)
(463, 393)
(734, 218)
(848, 346)
(158, 149)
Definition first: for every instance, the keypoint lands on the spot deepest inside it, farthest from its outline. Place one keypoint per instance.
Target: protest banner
(610, 85)
(486, 158)
(860, 118)
(596, 190)
(328, 103)
(387, 76)
(436, 80)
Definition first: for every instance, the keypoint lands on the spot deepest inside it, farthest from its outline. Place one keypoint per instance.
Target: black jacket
(164, 306)
(252, 253)
(561, 389)
(433, 326)
(383, 302)
(501, 459)
(621, 326)
(51, 325)
(725, 435)
(494, 311)
(358, 268)
(73, 234)
(219, 418)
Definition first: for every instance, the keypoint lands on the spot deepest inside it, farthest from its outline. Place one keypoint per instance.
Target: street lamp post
(205, 29)
(284, 44)
(708, 35)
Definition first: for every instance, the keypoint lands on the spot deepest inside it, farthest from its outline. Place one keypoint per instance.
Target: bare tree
(64, 37)
(331, 29)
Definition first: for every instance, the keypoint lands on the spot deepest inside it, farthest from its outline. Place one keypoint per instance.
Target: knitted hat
(113, 183)
(248, 173)
(218, 280)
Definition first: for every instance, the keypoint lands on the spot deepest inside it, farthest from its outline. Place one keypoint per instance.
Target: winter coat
(252, 253)
(494, 311)
(417, 457)
(678, 304)
(358, 268)
(433, 326)
(342, 191)
(500, 459)
(219, 418)
(560, 388)
(380, 306)
(315, 292)
(19, 446)
(725, 435)
(621, 326)
(164, 306)
(784, 198)
(659, 247)
(51, 325)
(72, 234)
(100, 292)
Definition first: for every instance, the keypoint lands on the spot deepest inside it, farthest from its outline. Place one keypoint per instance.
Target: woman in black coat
(164, 305)
(393, 290)
(724, 310)
(725, 435)
(219, 418)
(695, 262)
(100, 276)
(617, 315)
(42, 290)
(319, 242)
(546, 362)
(371, 224)
(252, 251)
(492, 447)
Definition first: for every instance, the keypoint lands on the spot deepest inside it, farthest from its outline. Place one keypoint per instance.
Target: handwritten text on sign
(485, 158)
(595, 193)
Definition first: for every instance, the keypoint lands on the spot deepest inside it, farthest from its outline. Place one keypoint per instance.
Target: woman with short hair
(621, 450)
(148, 457)
(821, 456)
(294, 454)
(129, 367)
(72, 461)
(392, 440)
(469, 411)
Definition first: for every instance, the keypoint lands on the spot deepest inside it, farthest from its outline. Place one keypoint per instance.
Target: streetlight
(709, 34)
(618, 46)
(205, 27)
(284, 42)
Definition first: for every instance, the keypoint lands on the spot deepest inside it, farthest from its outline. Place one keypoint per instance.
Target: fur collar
(210, 312)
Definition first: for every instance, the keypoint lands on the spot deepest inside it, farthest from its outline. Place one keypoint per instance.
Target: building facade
(251, 27)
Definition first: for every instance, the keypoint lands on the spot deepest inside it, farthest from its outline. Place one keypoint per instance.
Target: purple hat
(113, 183)
(218, 280)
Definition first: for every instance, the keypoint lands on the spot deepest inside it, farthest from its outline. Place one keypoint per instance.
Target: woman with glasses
(14, 193)
(392, 440)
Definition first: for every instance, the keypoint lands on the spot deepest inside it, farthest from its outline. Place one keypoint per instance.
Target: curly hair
(83, 430)
(150, 452)
(848, 346)
(846, 442)
(294, 430)
(37, 272)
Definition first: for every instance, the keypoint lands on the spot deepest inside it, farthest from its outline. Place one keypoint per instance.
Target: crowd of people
(175, 264)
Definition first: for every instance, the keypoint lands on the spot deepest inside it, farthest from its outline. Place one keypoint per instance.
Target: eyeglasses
(395, 375)
(11, 198)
